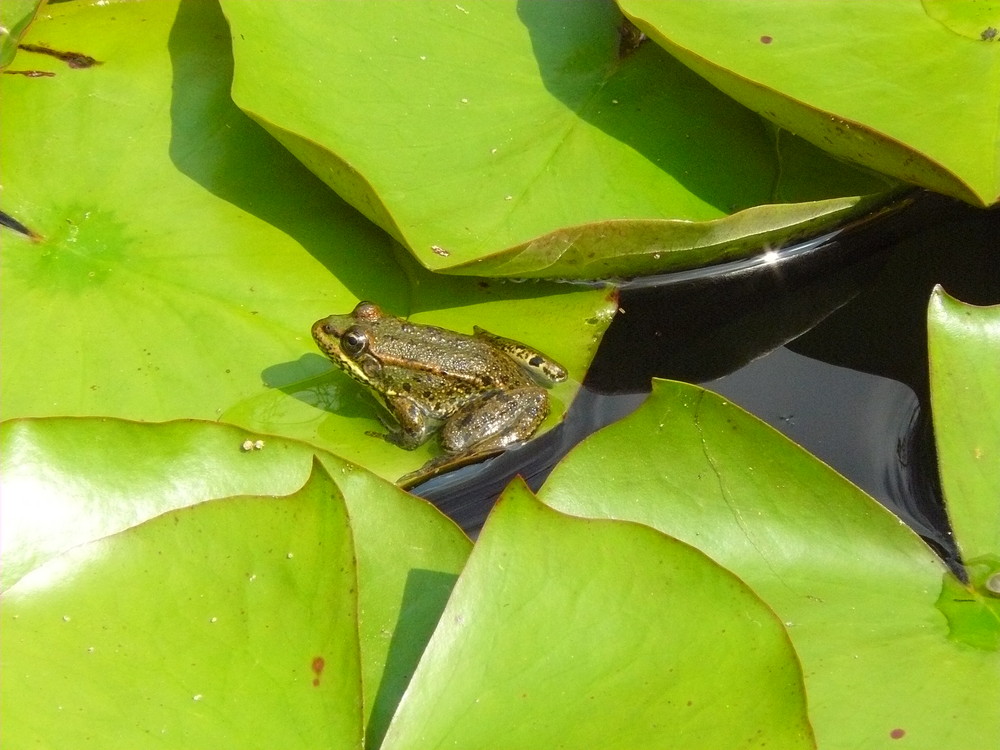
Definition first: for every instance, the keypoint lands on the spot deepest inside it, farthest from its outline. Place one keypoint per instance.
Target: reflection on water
(865, 426)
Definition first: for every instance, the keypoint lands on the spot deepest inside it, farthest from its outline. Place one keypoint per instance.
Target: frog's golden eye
(354, 341)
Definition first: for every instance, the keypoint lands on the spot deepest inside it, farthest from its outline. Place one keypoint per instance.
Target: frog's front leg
(412, 428)
(494, 422)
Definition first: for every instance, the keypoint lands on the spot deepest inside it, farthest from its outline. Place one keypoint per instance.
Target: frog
(478, 393)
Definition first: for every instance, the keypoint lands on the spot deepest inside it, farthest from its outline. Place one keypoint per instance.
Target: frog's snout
(327, 327)
(324, 333)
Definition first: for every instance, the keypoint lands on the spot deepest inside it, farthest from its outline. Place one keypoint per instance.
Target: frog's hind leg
(491, 424)
(484, 428)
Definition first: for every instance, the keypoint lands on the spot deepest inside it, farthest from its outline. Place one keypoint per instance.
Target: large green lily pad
(964, 348)
(567, 632)
(527, 139)
(909, 88)
(232, 623)
(869, 608)
(181, 254)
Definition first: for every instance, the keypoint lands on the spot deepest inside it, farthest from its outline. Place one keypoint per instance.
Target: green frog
(480, 392)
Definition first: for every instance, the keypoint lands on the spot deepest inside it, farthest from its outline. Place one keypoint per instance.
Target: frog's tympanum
(481, 392)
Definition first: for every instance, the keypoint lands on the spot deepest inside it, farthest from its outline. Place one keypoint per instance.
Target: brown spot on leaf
(31, 73)
(73, 59)
(317, 667)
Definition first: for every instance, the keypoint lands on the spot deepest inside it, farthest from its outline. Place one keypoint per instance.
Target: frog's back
(445, 369)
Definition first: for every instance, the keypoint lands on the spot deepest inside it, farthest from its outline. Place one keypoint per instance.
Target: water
(825, 341)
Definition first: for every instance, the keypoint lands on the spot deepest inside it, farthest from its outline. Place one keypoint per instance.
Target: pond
(824, 340)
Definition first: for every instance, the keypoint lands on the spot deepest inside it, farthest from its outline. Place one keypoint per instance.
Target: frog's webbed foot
(442, 464)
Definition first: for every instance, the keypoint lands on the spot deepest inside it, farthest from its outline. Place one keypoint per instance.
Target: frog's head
(346, 340)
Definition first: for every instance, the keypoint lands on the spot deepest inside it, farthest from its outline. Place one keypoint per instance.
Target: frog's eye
(354, 341)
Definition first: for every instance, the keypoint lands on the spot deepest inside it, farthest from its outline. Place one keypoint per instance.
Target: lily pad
(857, 590)
(71, 482)
(908, 88)
(178, 255)
(268, 614)
(597, 634)
(15, 15)
(528, 140)
(228, 623)
(964, 346)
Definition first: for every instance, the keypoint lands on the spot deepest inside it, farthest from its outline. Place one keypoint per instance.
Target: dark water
(825, 340)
